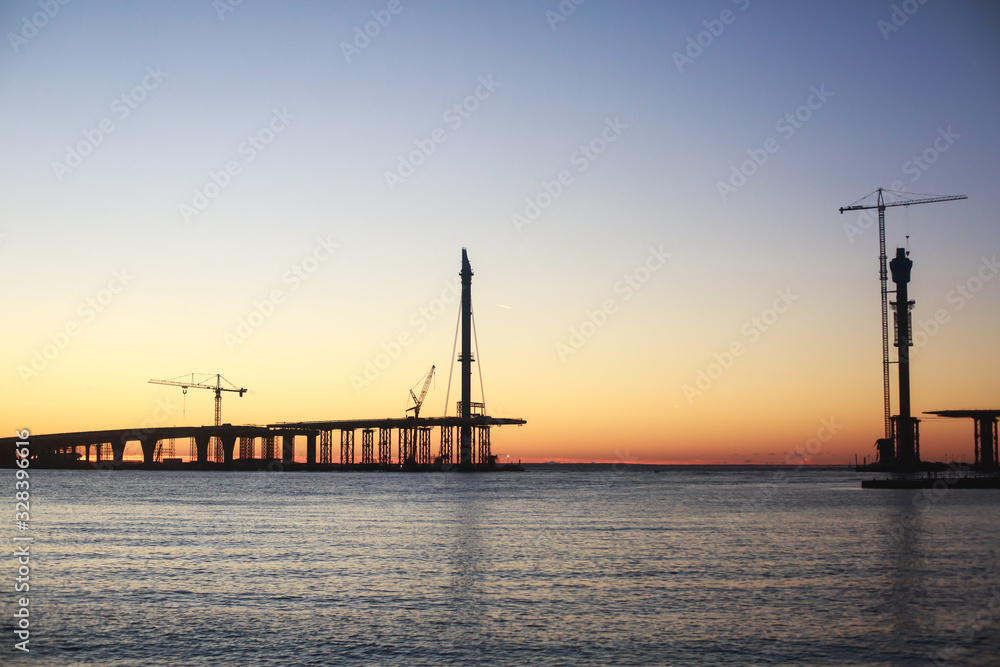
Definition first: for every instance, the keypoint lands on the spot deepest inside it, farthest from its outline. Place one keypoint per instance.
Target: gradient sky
(94, 186)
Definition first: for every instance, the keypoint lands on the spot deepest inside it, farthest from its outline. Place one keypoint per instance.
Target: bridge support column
(201, 443)
(148, 450)
(311, 449)
(986, 443)
(367, 439)
(246, 446)
(326, 447)
(447, 446)
(423, 445)
(485, 452)
(228, 447)
(288, 448)
(407, 446)
(118, 449)
(347, 447)
(384, 446)
(267, 447)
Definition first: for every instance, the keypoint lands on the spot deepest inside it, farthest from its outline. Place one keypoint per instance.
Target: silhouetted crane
(203, 384)
(418, 401)
(881, 205)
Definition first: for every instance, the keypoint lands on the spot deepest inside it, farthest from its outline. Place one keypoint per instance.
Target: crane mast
(880, 204)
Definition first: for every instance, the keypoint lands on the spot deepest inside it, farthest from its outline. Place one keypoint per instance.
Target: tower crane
(881, 205)
(418, 401)
(205, 384)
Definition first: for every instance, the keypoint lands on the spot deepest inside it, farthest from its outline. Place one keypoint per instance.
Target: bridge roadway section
(52, 443)
(228, 434)
(413, 439)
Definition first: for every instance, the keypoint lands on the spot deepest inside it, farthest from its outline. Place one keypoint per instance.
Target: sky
(648, 192)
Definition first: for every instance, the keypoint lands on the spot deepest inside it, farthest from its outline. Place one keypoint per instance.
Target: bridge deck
(397, 422)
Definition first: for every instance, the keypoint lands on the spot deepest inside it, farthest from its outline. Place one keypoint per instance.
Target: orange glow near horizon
(625, 396)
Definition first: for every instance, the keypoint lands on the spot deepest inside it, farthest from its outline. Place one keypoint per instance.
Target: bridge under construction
(463, 440)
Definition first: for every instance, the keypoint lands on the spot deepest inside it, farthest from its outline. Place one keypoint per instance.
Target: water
(571, 565)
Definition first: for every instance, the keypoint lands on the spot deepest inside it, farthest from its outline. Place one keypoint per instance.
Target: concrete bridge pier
(118, 449)
(985, 421)
(148, 449)
(201, 444)
(228, 446)
(311, 449)
(288, 448)
(986, 443)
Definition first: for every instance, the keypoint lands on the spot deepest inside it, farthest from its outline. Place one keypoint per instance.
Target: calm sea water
(570, 565)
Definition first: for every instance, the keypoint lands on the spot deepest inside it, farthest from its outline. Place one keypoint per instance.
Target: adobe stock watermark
(696, 44)
(976, 621)
(799, 457)
(38, 20)
(87, 311)
(898, 17)
(626, 288)
(147, 427)
(162, 411)
(896, 536)
(751, 330)
(296, 275)
(563, 11)
(419, 320)
(581, 158)
(223, 7)
(22, 552)
(249, 149)
(802, 454)
(122, 107)
(618, 473)
(915, 167)
(363, 35)
(454, 116)
(786, 126)
(959, 297)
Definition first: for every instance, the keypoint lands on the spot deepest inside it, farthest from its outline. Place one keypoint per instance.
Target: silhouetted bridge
(413, 439)
(277, 442)
(464, 439)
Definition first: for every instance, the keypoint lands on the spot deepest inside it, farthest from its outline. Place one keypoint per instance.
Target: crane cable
(454, 346)
(862, 199)
(479, 361)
